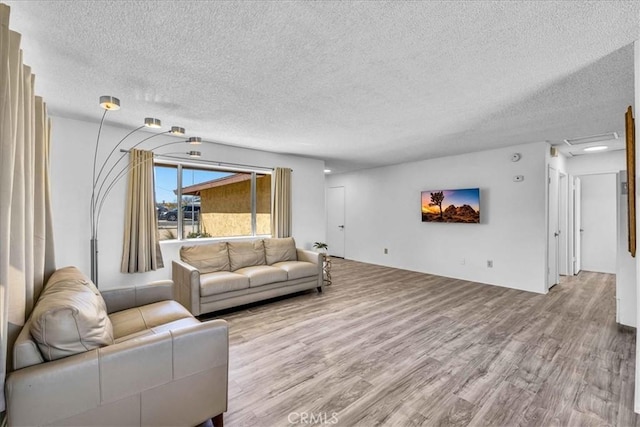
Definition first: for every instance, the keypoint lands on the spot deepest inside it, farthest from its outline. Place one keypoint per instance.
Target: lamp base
(94, 261)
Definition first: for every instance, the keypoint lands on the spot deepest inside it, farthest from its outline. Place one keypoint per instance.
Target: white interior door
(335, 221)
(563, 224)
(577, 225)
(599, 222)
(553, 230)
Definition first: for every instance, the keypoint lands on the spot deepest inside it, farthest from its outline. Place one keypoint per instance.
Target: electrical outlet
(490, 263)
(462, 261)
(386, 251)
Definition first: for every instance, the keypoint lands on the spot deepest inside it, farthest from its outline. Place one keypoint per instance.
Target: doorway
(558, 226)
(553, 233)
(563, 224)
(576, 229)
(598, 225)
(335, 221)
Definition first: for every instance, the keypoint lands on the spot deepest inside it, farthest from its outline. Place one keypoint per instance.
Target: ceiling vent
(591, 139)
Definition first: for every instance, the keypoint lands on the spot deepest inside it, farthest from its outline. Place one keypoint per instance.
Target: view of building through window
(213, 203)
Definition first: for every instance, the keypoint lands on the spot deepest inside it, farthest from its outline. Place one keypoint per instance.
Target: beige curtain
(281, 208)
(141, 249)
(26, 237)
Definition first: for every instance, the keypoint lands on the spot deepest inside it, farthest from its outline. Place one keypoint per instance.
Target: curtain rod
(223, 164)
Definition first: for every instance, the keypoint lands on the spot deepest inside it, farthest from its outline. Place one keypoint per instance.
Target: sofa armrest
(136, 365)
(187, 280)
(317, 259)
(136, 296)
(80, 383)
(309, 256)
(69, 386)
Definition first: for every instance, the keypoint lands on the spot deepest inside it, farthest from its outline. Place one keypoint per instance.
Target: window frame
(254, 171)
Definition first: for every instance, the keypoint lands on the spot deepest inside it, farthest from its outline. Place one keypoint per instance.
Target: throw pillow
(280, 250)
(70, 316)
(246, 254)
(207, 258)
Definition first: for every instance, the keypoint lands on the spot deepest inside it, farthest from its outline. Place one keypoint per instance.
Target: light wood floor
(390, 347)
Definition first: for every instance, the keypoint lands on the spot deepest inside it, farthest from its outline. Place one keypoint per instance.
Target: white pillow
(70, 316)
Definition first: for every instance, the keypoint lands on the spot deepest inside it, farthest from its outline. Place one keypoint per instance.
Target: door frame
(577, 261)
(344, 218)
(564, 268)
(553, 246)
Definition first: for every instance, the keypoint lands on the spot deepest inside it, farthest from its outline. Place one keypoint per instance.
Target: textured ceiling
(358, 84)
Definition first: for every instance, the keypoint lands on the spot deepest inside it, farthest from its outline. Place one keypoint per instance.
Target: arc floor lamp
(105, 179)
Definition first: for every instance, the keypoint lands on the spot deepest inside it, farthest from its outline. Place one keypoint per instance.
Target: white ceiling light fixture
(596, 148)
(591, 139)
(327, 171)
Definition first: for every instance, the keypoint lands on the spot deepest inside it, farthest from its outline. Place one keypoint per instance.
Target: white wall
(599, 222)
(625, 263)
(72, 145)
(636, 62)
(609, 162)
(383, 211)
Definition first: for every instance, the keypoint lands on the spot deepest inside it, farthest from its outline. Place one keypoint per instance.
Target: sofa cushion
(298, 269)
(246, 254)
(170, 326)
(134, 320)
(221, 282)
(70, 316)
(280, 249)
(263, 275)
(207, 258)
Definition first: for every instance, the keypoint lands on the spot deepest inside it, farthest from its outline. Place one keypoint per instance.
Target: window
(213, 203)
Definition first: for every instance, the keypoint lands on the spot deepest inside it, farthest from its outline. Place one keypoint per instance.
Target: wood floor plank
(383, 346)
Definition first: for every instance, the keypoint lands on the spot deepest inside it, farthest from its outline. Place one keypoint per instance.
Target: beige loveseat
(134, 357)
(220, 275)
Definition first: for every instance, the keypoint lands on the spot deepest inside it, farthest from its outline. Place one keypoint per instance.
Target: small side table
(326, 268)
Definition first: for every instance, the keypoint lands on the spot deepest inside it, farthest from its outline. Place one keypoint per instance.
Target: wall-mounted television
(461, 206)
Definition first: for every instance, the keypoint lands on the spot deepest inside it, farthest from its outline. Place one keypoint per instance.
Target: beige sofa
(126, 357)
(220, 275)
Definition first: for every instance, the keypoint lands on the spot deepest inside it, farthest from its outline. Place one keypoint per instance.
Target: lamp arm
(168, 143)
(148, 138)
(104, 163)
(93, 181)
(106, 176)
(122, 173)
(101, 200)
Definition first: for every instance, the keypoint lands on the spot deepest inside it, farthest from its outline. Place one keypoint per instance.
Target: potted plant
(321, 246)
(326, 261)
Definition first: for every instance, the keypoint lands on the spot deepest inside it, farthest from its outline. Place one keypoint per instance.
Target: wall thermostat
(518, 178)
(515, 157)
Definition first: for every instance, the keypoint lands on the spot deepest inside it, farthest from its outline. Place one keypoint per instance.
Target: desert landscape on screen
(462, 206)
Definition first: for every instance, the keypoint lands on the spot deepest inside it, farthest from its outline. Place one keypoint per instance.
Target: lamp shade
(109, 102)
(151, 122)
(176, 130)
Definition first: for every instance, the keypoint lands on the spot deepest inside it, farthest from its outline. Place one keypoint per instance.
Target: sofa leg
(218, 421)
(319, 288)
